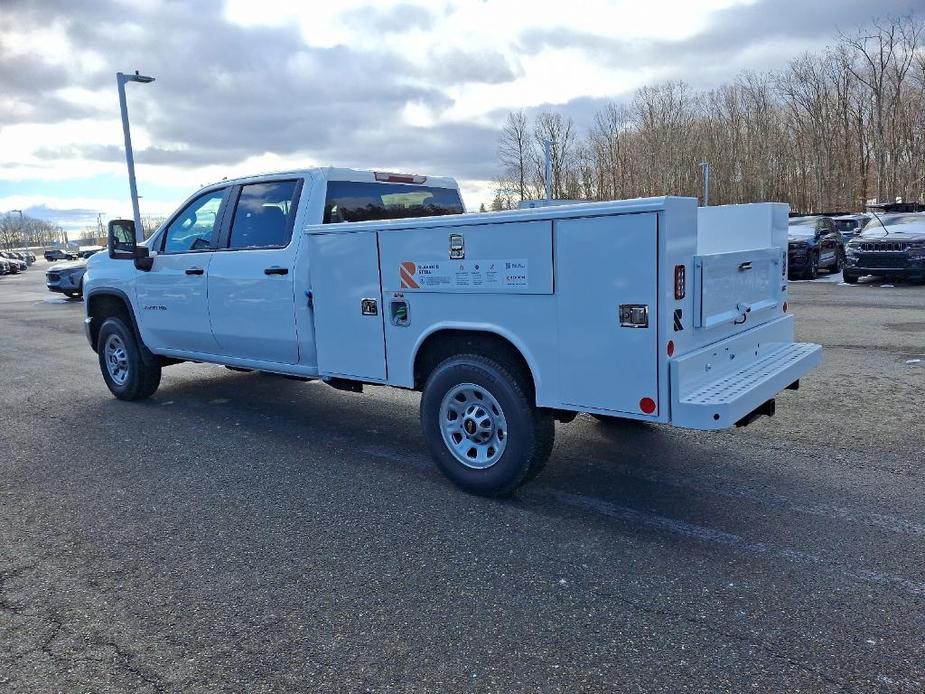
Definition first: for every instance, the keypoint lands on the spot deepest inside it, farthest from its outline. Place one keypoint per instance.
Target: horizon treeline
(831, 131)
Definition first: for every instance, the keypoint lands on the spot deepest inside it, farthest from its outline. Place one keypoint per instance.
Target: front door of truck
(172, 306)
(250, 281)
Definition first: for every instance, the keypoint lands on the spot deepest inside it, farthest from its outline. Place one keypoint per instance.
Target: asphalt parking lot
(240, 532)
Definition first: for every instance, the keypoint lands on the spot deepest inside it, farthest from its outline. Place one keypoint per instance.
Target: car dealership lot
(251, 533)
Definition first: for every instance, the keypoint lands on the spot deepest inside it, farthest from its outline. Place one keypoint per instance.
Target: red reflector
(670, 348)
(647, 405)
(785, 307)
(680, 282)
(399, 178)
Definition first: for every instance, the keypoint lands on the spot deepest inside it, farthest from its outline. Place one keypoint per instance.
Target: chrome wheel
(473, 426)
(116, 358)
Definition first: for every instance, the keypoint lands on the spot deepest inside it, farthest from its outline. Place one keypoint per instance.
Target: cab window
(263, 215)
(192, 229)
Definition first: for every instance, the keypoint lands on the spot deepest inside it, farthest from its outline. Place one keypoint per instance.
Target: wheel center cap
(469, 426)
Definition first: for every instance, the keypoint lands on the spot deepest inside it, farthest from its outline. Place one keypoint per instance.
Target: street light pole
(705, 167)
(121, 79)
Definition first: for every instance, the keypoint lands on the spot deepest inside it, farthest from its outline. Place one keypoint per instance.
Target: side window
(192, 229)
(263, 215)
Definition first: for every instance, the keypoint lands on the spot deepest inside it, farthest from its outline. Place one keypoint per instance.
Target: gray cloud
(224, 92)
(738, 37)
(459, 67)
(399, 19)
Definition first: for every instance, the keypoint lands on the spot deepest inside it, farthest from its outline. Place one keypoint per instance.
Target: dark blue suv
(813, 244)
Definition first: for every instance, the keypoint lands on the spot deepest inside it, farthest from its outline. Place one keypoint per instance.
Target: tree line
(831, 131)
(21, 231)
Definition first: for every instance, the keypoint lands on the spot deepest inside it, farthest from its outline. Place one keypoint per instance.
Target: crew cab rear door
(251, 302)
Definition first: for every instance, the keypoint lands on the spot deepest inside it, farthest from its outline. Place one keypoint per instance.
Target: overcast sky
(245, 86)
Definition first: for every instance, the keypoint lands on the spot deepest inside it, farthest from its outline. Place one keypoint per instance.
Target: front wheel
(483, 431)
(124, 370)
(812, 271)
(850, 277)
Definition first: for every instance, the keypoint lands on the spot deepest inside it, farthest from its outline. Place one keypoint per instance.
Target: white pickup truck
(644, 309)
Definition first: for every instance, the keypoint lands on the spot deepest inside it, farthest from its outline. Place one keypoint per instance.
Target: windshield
(846, 224)
(893, 223)
(349, 201)
(802, 226)
(892, 220)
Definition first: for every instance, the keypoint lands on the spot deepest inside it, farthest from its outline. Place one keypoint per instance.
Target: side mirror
(122, 244)
(121, 239)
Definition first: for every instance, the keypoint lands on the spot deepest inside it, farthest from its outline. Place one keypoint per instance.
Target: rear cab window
(349, 201)
(264, 215)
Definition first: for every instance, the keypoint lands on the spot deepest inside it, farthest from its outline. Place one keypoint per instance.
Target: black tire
(812, 272)
(850, 277)
(836, 268)
(529, 435)
(142, 379)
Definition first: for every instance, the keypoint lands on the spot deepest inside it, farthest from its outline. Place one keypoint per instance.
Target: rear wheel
(812, 272)
(482, 429)
(124, 370)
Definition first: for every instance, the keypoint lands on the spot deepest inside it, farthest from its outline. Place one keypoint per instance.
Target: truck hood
(70, 265)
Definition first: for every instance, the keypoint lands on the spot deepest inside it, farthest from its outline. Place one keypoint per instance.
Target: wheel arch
(445, 341)
(109, 303)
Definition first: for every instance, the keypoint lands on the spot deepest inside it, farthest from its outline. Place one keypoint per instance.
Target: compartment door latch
(634, 316)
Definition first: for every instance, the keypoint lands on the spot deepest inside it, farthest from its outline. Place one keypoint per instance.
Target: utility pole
(705, 168)
(121, 79)
(547, 155)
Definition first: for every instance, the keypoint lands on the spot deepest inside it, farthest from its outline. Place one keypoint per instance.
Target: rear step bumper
(707, 396)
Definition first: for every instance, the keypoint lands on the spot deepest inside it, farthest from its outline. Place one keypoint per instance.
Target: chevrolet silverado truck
(646, 309)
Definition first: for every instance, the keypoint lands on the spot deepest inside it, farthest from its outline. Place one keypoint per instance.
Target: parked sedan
(813, 244)
(16, 265)
(67, 278)
(4, 266)
(891, 245)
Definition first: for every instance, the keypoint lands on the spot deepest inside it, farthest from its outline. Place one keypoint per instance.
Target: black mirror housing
(121, 239)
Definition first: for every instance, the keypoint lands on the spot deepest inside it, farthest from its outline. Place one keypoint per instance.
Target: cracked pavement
(245, 533)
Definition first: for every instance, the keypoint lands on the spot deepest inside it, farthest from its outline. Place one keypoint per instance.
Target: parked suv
(4, 266)
(891, 245)
(58, 254)
(850, 225)
(813, 244)
(67, 278)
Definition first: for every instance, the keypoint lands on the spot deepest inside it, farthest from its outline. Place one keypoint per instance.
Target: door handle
(194, 271)
(276, 270)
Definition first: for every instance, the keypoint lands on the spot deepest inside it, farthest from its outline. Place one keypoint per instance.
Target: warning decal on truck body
(465, 274)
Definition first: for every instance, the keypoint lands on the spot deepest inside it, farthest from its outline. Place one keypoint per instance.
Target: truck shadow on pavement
(621, 462)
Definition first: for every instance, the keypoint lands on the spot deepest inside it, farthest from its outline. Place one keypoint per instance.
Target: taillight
(386, 177)
(680, 282)
(670, 348)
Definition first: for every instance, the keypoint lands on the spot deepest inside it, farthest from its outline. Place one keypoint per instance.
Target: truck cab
(643, 309)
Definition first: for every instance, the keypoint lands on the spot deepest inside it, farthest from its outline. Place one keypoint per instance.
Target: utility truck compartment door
(347, 305)
(737, 287)
(607, 312)
(499, 258)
